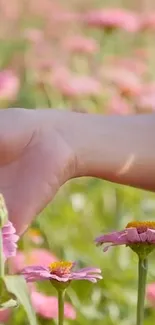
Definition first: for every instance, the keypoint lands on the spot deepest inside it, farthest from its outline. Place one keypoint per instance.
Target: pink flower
(134, 233)
(77, 86)
(136, 65)
(145, 102)
(34, 257)
(112, 18)
(9, 85)
(81, 44)
(118, 105)
(125, 80)
(148, 21)
(61, 272)
(47, 306)
(150, 293)
(10, 239)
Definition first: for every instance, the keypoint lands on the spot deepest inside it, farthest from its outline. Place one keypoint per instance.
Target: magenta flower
(10, 239)
(112, 18)
(61, 272)
(134, 234)
(47, 306)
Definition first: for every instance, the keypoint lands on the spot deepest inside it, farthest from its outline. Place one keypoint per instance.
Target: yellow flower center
(141, 226)
(60, 268)
(34, 232)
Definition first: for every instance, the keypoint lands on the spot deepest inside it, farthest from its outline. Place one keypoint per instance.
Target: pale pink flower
(35, 256)
(134, 64)
(126, 81)
(61, 272)
(148, 21)
(134, 233)
(9, 85)
(112, 18)
(10, 239)
(47, 306)
(118, 106)
(81, 44)
(150, 293)
(77, 86)
(145, 102)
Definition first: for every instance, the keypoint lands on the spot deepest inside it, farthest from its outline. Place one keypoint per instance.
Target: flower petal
(132, 235)
(151, 236)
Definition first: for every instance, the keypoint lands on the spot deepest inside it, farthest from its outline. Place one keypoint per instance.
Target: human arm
(42, 149)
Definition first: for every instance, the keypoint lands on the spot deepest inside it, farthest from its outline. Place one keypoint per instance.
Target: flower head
(10, 239)
(112, 18)
(47, 306)
(34, 257)
(60, 272)
(140, 236)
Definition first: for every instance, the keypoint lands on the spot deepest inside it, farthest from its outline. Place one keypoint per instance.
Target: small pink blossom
(9, 85)
(10, 239)
(126, 81)
(71, 85)
(147, 21)
(81, 44)
(112, 18)
(150, 294)
(61, 272)
(134, 233)
(34, 257)
(145, 102)
(136, 65)
(118, 106)
(47, 306)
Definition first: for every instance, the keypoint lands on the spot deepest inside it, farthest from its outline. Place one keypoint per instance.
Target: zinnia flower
(47, 306)
(140, 236)
(33, 257)
(74, 86)
(112, 18)
(61, 272)
(10, 239)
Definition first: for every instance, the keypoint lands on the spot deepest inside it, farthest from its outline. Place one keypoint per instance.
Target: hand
(35, 161)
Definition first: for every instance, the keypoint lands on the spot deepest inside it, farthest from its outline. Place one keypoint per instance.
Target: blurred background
(90, 56)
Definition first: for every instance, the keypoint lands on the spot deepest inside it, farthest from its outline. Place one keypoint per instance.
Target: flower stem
(61, 295)
(142, 274)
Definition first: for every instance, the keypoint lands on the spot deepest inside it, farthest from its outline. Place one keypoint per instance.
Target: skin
(42, 149)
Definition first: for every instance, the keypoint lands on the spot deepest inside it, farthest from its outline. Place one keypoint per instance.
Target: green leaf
(17, 285)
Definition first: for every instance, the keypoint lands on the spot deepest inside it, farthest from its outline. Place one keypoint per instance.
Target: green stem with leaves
(61, 296)
(142, 274)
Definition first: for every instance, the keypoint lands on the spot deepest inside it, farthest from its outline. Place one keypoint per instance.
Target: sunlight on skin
(127, 165)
